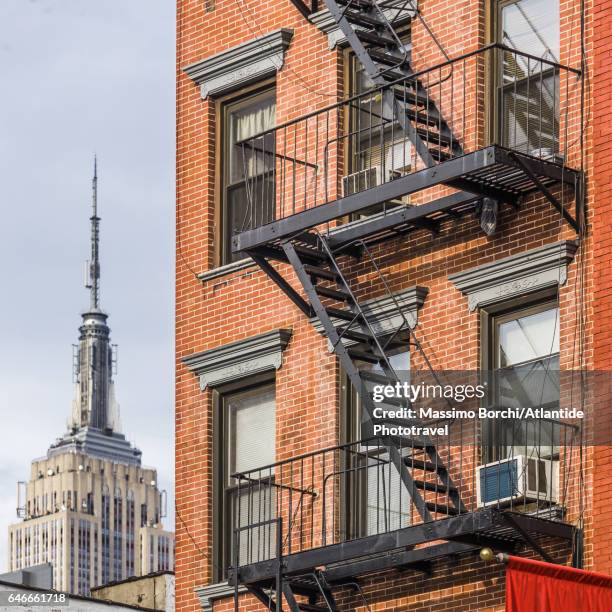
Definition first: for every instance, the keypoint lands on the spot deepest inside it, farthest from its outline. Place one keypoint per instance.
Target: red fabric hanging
(535, 586)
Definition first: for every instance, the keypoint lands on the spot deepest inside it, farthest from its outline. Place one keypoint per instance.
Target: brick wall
(600, 130)
(246, 303)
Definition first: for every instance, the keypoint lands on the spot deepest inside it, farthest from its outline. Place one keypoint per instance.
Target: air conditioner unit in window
(366, 179)
(517, 479)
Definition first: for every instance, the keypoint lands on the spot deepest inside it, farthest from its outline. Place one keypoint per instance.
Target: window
(248, 167)
(377, 148)
(118, 535)
(527, 89)
(130, 534)
(524, 359)
(246, 440)
(376, 499)
(106, 531)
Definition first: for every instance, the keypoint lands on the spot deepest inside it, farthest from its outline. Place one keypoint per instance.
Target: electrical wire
(204, 555)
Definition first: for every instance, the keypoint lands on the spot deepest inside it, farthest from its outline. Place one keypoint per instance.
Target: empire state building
(90, 508)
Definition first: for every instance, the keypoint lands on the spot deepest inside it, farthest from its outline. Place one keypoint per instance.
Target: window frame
(221, 515)
(493, 112)
(353, 490)
(351, 119)
(224, 105)
(490, 319)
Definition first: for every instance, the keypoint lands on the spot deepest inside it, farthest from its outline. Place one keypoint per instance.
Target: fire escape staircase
(363, 351)
(365, 357)
(380, 51)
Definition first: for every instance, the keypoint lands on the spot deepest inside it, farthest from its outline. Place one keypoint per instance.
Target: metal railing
(353, 490)
(494, 95)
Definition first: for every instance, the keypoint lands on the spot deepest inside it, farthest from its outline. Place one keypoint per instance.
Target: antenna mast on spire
(93, 280)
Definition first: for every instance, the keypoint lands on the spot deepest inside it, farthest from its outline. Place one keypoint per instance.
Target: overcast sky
(80, 76)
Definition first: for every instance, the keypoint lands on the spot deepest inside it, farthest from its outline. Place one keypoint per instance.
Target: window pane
(257, 508)
(530, 89)
(252, 429)
(249, 175)
(532, 26)
(528, 358)
(388, 500)
(245, 122)
(241, 216)
(379, 150)
(530, 337)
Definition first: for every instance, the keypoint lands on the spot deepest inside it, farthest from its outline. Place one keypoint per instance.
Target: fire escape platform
(494, 172)
(465, 533)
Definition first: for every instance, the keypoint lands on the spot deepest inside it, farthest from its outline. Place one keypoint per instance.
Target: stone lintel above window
(384, 314)
(516, 275)
(241, 65)
(231, 362)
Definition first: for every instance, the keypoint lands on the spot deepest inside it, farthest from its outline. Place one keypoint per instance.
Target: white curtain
(246, 122)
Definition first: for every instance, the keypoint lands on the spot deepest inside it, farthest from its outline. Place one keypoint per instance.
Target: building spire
(93, 281)
(94, 404)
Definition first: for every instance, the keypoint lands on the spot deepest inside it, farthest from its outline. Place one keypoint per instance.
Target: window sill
(229, 268)
(208, 594)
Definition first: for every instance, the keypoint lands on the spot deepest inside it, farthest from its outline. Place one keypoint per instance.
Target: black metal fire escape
(385, 60)
(317, 260)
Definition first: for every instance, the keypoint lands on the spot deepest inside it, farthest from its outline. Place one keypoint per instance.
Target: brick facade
(245, 302)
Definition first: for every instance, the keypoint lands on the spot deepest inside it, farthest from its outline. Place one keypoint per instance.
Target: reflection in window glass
(527, 364)
(529, 89)
(532, 26)
(527, 338)
(379, 150)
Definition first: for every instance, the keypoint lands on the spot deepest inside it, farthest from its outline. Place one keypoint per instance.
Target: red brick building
(367, 188)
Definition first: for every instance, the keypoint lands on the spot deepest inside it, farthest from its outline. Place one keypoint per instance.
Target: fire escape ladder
(385, 59)
(364, 353)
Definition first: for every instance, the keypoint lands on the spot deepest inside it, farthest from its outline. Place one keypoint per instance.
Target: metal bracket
(287, 289)
(528, 538)
(549, 196)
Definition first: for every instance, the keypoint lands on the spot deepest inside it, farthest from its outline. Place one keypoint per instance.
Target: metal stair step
(361, 4)
(303, 586)
(387, 59)
(363, 356)
(441, 509)
(440, 155)
(394, 75)
(374, 38)
(375, 377)
(430, 117)
(351, 334)
(365, 21)
(310, 253)
(433, 486)
(407, 95)
(434, 137)
(419, 464)
(321, 272)
(311, 608)
(339, 313)
(341, 296)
